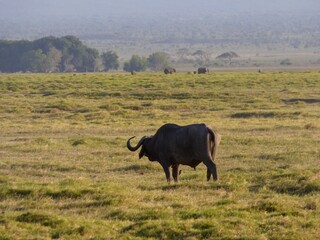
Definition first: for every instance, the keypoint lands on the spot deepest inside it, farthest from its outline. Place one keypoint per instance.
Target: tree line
(68, 54)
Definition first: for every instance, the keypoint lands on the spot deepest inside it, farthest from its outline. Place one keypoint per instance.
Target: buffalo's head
(144, 143)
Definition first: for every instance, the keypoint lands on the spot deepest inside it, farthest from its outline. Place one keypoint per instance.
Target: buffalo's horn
(131, 148)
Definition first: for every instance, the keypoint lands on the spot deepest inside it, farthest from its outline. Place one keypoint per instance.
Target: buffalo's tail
(215, 139)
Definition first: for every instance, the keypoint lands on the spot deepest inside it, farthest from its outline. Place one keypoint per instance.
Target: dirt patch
(305, 100)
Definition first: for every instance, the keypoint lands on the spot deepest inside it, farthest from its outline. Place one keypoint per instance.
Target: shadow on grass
(68, 193)
(6, 192)
(42, 219)
(135, 168)
(305, 100)
(159, 229)
(188, 186)
(291, 183)
(261, 114)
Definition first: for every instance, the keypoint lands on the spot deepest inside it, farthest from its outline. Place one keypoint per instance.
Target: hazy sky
(51, 8)
(36, 18)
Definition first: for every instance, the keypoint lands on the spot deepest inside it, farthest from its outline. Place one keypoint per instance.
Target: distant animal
(133, 73)
(173, 145)
(203, 70)
(169, 70)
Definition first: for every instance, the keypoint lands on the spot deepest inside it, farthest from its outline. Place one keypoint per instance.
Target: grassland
(65, 172)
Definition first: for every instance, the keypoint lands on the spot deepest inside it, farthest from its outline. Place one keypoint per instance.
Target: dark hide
(173, 145)
(203, 70)
(169, 70)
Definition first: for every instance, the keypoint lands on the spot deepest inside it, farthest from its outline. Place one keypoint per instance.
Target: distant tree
(182, 52)
(203, 57)
(228, 56)
(136, 64)
(34, 61)
(127, 67)
(110, 60)
(76, 56)
(158, 61)
(90, 59)
(66, 64)
(48, 54)
(53, 59)
(11, 53)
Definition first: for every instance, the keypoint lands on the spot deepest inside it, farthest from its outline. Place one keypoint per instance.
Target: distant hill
(179, 21)
(228, 55)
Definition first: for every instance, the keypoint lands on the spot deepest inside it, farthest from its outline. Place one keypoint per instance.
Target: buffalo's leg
(211, 169)
(175, 172)
(208, 174)
(167, 172)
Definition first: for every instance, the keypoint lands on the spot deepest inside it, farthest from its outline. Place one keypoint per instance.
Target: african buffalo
(169, 70)
(187, 145)
(203, 70)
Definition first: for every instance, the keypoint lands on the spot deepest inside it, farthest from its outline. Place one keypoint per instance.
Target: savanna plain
(65, 171)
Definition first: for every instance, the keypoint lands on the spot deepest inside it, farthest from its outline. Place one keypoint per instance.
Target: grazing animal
(173, 145)
(169, 70)
(203, 70)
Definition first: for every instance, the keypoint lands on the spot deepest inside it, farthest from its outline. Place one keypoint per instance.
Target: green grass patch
(42, 219)
(65, 171)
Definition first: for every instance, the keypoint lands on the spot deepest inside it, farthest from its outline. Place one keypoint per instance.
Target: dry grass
(65, 172)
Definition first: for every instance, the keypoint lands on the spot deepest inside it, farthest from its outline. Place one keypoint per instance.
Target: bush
(136, 64)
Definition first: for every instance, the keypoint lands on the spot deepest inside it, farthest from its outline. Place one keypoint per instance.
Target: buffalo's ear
(141, 153)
